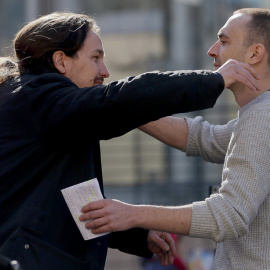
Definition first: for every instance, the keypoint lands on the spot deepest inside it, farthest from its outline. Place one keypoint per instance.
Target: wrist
(135, 216)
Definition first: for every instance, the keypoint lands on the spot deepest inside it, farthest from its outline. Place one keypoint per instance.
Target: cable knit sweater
(238, 217)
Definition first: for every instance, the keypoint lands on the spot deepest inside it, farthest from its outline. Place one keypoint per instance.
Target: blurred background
(140, 36)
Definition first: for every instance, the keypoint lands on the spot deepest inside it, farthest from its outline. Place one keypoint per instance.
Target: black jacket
(49, 140)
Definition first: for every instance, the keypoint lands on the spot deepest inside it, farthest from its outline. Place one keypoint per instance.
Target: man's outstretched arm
(170, 130)
(112, 215)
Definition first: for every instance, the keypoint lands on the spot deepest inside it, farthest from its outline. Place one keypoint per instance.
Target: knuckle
(93, 223)
(110, 220)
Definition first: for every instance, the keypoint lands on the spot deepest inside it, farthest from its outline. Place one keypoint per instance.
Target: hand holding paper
(79, 195)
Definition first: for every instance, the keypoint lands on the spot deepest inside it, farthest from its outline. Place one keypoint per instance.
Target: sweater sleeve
(208, 141)
(245, 181)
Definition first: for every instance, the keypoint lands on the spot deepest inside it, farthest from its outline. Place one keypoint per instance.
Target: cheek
(91, 68)
(225, 55)
(87, 76)
(231, 52)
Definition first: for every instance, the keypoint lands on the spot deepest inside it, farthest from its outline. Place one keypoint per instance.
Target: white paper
(79, 195)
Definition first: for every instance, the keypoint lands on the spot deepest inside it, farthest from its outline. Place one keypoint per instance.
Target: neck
(243, 95)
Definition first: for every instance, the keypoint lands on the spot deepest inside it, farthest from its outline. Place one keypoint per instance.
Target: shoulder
(47, 84)
(254, 118)
(45, 79)
(259, 104)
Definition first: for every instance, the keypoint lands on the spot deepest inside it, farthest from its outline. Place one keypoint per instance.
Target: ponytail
(8, 69)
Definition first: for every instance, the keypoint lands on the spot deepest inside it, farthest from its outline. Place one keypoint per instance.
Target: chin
(82, 85)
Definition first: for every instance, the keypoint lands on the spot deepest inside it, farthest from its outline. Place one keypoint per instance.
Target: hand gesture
(107, 216)
(163, 245)
(234, 71)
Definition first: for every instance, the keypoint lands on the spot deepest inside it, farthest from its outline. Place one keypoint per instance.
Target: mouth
(216, 66)
(98, 81)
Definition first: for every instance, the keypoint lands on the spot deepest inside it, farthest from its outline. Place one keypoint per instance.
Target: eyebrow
(222, 35)
(101, 52)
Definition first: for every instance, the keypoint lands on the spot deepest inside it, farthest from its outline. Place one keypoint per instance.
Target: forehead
(92, 42)
(235, 25)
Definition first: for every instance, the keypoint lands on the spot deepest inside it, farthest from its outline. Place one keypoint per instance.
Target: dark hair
(36, 42)
(258, 27)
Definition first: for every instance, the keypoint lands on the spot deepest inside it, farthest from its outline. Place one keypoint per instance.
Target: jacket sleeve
(133, 241)
(107, 111)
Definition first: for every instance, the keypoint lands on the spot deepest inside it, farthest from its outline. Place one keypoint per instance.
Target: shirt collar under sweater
(258, 99)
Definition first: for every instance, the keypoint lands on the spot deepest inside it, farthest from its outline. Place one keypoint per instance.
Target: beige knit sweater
(238, 218)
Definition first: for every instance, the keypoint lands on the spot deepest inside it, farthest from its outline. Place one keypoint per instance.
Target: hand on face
(234, 71)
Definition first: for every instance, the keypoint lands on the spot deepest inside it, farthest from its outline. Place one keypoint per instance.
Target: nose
(104, 72)
(213, 51)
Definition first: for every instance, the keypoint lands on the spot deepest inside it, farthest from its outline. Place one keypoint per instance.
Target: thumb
(161, 243)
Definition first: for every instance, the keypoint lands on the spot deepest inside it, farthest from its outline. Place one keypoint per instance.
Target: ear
(59, 61)
(256, 53)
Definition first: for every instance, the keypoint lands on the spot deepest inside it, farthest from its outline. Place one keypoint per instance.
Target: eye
(222, 41)
(96, 58)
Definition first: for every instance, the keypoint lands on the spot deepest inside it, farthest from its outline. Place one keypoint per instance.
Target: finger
(92, 206)
(102, 229)
(245, 74)
(247, 80)
(160, 243)
(166, 259)
(171, 244)
(93, 214)
(96, 223)
(251, 70)
(170, 257)
(162, 258)
(96, 229)
(101, 225)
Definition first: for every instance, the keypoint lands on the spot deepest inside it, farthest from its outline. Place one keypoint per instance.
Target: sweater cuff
(194, 127)
(189, 122)
(202, 221)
